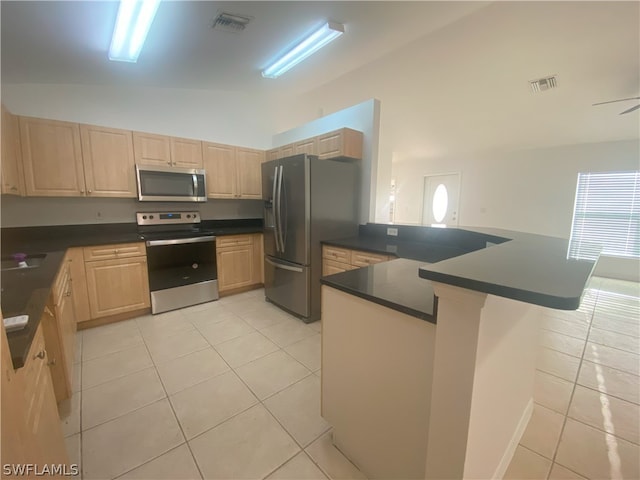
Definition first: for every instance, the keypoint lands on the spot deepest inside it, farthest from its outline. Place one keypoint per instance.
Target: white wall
(40, 211)
(224, 117)
(364, 117)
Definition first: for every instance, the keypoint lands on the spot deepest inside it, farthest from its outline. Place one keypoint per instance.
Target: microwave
(170, 184)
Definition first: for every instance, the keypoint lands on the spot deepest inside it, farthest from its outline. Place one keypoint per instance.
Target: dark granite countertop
(529, 268)
(394, 284)
(27, 291)
(521, 266)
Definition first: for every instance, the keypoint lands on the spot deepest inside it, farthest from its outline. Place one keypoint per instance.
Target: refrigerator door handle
(275, 209)
(284, 267)
(279, 218)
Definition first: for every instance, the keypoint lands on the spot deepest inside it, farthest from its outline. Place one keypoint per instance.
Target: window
(607, 215)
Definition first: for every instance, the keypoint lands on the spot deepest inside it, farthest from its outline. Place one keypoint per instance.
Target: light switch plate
(392, 231)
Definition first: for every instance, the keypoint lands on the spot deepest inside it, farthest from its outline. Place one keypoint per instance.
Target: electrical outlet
(392, 231)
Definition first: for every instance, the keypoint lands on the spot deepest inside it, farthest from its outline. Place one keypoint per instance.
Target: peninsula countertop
(526, 267)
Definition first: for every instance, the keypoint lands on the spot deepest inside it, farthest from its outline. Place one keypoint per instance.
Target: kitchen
(250, 120)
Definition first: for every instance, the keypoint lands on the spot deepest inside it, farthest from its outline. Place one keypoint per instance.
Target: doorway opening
(440, 200)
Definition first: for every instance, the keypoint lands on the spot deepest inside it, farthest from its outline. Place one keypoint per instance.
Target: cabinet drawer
(233, 241)
(336, 254)
(121, 250)
(329, 267)
(363, 259)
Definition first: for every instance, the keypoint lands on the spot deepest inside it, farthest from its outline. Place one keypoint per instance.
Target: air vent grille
(542, 84)
(230, 22)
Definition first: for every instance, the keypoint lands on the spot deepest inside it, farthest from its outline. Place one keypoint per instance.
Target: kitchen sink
(32, 261)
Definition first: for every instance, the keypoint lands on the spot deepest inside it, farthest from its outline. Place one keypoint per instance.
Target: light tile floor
(231, 389)
(586, 417)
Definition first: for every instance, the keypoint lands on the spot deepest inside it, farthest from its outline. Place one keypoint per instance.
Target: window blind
(606, 215)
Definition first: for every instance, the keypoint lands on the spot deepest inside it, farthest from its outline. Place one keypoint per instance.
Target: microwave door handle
(274, 202)
(194, 178)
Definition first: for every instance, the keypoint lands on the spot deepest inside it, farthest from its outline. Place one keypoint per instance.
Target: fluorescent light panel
(318, 39)
(132, 25)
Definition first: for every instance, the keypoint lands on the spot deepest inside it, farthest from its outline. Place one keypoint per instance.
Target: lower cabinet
(119, 282)
(31, 427)
(336, 260)
(239, 259)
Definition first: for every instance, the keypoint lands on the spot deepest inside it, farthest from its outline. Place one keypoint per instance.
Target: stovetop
(174, 233)
(170, 225)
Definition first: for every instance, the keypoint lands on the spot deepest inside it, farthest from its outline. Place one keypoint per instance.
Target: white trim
(515, 440)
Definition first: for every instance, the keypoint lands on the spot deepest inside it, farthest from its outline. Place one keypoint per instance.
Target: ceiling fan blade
(630, 109)
(614, 101)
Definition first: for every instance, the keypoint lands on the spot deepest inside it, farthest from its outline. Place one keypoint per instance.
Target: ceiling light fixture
(318, 39)
(132, 25)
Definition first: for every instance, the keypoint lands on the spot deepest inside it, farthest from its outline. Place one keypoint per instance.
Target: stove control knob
(150, 217)
(144, 217)
(188, 216)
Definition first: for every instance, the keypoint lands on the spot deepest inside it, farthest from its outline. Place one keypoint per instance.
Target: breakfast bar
(428, 367)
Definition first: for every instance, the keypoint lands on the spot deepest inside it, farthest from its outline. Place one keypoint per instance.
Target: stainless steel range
(181, 259)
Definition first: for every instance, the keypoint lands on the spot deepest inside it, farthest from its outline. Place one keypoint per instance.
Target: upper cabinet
(186, 153)
(340, 143)
(344, 142)
(12, 172)
(152, 149)
(108, 161)
(164, 151)
(233, 172)
(52, 158)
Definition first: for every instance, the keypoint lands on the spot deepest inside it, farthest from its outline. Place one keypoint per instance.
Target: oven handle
(178, 241)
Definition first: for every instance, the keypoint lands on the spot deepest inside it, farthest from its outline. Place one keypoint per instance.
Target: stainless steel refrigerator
(306, 201)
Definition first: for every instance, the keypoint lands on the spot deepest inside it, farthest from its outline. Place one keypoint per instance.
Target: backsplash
(41, 211)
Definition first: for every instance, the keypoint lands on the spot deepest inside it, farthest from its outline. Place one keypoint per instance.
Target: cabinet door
(220, 165)
(41, 413)
(53, 332)
(258, 259)
(286, 151)
(273, 154)
(249, 164)
(329, 267)
(109, 167)
(235, 267)
(150, 149)
(12, 172)
(52, 158)
(117, 286)
(186, 153)
(330, 144)
(309, 146)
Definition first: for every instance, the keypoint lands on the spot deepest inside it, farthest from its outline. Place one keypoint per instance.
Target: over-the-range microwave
(170, 184)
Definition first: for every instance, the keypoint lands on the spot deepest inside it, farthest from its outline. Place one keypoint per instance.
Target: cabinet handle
(14, 188)
(168, 163)
(116, 251)
(51, 362)
(41, 354)
(89, 191)
(82, 190)
(68, 294)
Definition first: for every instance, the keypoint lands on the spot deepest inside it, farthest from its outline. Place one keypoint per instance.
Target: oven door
(157, 184)
(180, 262)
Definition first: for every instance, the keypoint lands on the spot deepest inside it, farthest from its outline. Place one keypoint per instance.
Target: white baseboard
(513, 443)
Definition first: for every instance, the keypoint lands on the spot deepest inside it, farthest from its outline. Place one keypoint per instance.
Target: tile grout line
(573, 389)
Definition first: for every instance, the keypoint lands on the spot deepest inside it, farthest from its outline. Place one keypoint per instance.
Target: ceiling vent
(542, 84)
(230, 22)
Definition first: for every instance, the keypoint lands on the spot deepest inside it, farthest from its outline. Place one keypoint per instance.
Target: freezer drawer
(288, 285)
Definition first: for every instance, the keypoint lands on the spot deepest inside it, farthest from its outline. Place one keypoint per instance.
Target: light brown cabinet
(12, 171)
(165, 151)
(239, 259)
(117, 279)
(31, 428)
(79, 284)
(59, 329)
(52, 158)
(272, 154)
(308, 146)
(107, 155)
(233, 172)
(336, 259)
(340, 143)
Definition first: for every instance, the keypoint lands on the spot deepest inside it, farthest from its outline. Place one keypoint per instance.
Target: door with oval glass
(440, 200)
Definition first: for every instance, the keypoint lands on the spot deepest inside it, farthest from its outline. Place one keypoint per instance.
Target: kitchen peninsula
(428, 360)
